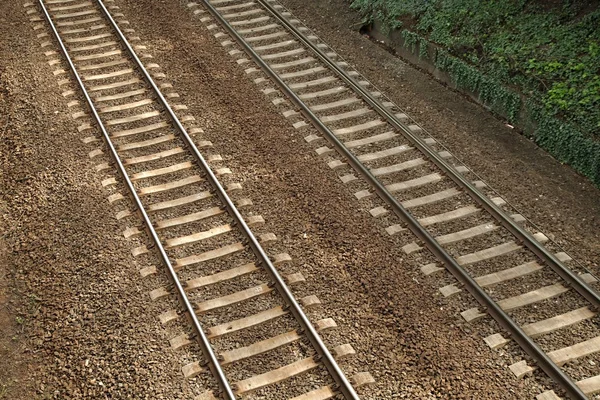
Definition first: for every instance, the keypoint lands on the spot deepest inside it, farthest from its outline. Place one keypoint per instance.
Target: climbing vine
(566, 142)
(414, 40)
(491, 92)
(508, 50)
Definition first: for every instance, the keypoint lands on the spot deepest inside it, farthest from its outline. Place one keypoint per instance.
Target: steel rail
(526, 343)
(342, 383)
(521, 234)
(204, 342)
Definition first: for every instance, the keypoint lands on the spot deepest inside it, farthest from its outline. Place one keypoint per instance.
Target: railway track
(517, 275)
(238, 304)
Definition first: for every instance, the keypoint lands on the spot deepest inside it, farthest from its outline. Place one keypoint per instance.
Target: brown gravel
(83, 312)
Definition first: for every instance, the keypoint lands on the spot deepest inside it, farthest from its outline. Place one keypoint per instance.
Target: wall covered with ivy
(536, 63)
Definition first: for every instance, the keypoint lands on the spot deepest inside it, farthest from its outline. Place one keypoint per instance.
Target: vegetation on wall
(544, 51)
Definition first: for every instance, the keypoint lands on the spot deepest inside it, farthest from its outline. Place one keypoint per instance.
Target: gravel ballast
(84, 324)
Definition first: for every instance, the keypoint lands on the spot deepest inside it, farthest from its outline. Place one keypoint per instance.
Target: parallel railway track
(217, 266)
(524, 285)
